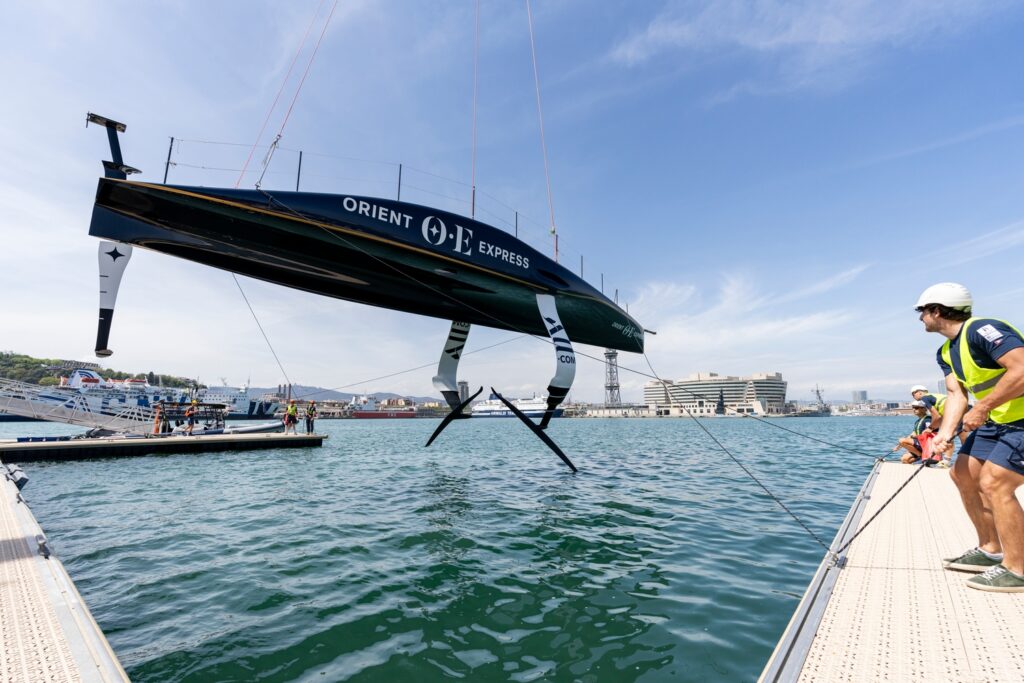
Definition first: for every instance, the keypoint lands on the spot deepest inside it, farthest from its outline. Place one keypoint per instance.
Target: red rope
(308, 65)
(278, 97)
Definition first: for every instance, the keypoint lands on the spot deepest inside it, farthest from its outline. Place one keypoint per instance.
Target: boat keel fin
(536, 430)
(565, 357)
(456, 414)
(447, 367)
(113, 258)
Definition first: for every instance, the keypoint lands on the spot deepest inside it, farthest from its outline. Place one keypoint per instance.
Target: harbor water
(481, 558)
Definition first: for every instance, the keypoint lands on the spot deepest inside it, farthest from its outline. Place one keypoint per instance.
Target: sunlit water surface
(481, 558)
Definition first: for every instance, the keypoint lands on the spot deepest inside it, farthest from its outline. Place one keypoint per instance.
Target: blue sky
(768, 185)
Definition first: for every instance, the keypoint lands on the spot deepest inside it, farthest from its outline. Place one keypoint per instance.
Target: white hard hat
(950, 294)
(918, 387)
(917, 404)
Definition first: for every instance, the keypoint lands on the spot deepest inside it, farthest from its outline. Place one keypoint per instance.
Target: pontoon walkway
(46, 631)
(892, 613)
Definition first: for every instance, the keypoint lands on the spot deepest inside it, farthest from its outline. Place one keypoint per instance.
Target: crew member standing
(190, 416)
(310, 416)
(291, 417)
(985, 357)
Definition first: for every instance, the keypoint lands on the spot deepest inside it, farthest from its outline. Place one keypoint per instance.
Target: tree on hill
(47, 371)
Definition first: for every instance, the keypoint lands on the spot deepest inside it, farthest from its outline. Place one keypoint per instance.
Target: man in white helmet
(935, 404)
(985, 357)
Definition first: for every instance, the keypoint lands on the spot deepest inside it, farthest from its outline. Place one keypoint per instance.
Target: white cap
(917, 404)
(918, 387)
(950, 294)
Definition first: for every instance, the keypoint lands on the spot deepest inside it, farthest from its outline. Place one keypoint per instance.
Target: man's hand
(975, 417)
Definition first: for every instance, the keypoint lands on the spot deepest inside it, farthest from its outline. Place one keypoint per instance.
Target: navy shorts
(997, 444)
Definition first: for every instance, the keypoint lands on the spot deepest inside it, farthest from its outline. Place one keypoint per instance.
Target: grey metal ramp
(46, 630)
(59, 404)
(892, 613)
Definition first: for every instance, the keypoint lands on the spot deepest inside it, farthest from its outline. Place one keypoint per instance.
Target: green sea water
(480, 559)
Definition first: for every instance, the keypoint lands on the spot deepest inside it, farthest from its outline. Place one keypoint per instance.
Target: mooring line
(743, 467)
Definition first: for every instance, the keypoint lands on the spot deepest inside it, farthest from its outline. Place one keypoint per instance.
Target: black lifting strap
(536, 430)
(457, 413)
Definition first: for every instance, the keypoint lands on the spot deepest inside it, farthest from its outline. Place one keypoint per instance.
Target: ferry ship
(119, 394)
(367, 407)
(531, 407)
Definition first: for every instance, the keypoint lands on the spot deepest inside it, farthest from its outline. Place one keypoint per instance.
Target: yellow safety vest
(980, 381)
(940, 402)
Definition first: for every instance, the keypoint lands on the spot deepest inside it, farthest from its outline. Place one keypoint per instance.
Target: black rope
(256, 318)
(812, 438)
(923, 465)
(743, 467)
(402, 372)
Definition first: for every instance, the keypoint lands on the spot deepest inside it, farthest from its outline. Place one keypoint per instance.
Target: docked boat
(367, 407)
(241, 402)
(531, 407)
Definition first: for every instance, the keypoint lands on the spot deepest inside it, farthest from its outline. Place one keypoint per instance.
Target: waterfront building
(860, 396)
(708, 393)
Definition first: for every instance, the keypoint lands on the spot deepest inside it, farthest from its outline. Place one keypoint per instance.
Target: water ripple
(482, 558)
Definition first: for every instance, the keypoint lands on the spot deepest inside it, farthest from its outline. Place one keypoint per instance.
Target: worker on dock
(936, 405)
(310, 416)
(191, 415)
(985, 357)
(910, 442)
(291, 417)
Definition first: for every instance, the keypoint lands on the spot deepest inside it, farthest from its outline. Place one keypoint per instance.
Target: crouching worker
(911, 442)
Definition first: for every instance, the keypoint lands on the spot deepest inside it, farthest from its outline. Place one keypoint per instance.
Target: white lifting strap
(445, 379)
(565, 357)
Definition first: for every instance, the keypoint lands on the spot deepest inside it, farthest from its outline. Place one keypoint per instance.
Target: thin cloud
(825, 285)
(804, 40)
(959, 138)
(982, 246)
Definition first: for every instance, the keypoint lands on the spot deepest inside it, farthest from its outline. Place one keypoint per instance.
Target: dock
(44, 448)
(891, 612)
(46, 630)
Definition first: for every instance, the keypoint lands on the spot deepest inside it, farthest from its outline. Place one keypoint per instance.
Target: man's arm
(956, 406)
(1009, 386)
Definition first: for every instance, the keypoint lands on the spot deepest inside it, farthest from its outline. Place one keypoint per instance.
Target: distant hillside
(46, 371)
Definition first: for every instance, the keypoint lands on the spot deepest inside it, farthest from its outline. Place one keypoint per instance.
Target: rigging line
(741, 465)
(295, 98)
(806, 436)
(540, 115)
(408, 370)
(254, 317)
(278, 96)
(924, 463)
(840, 551)
(309, 64)
(476, 69)
(544, 340)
